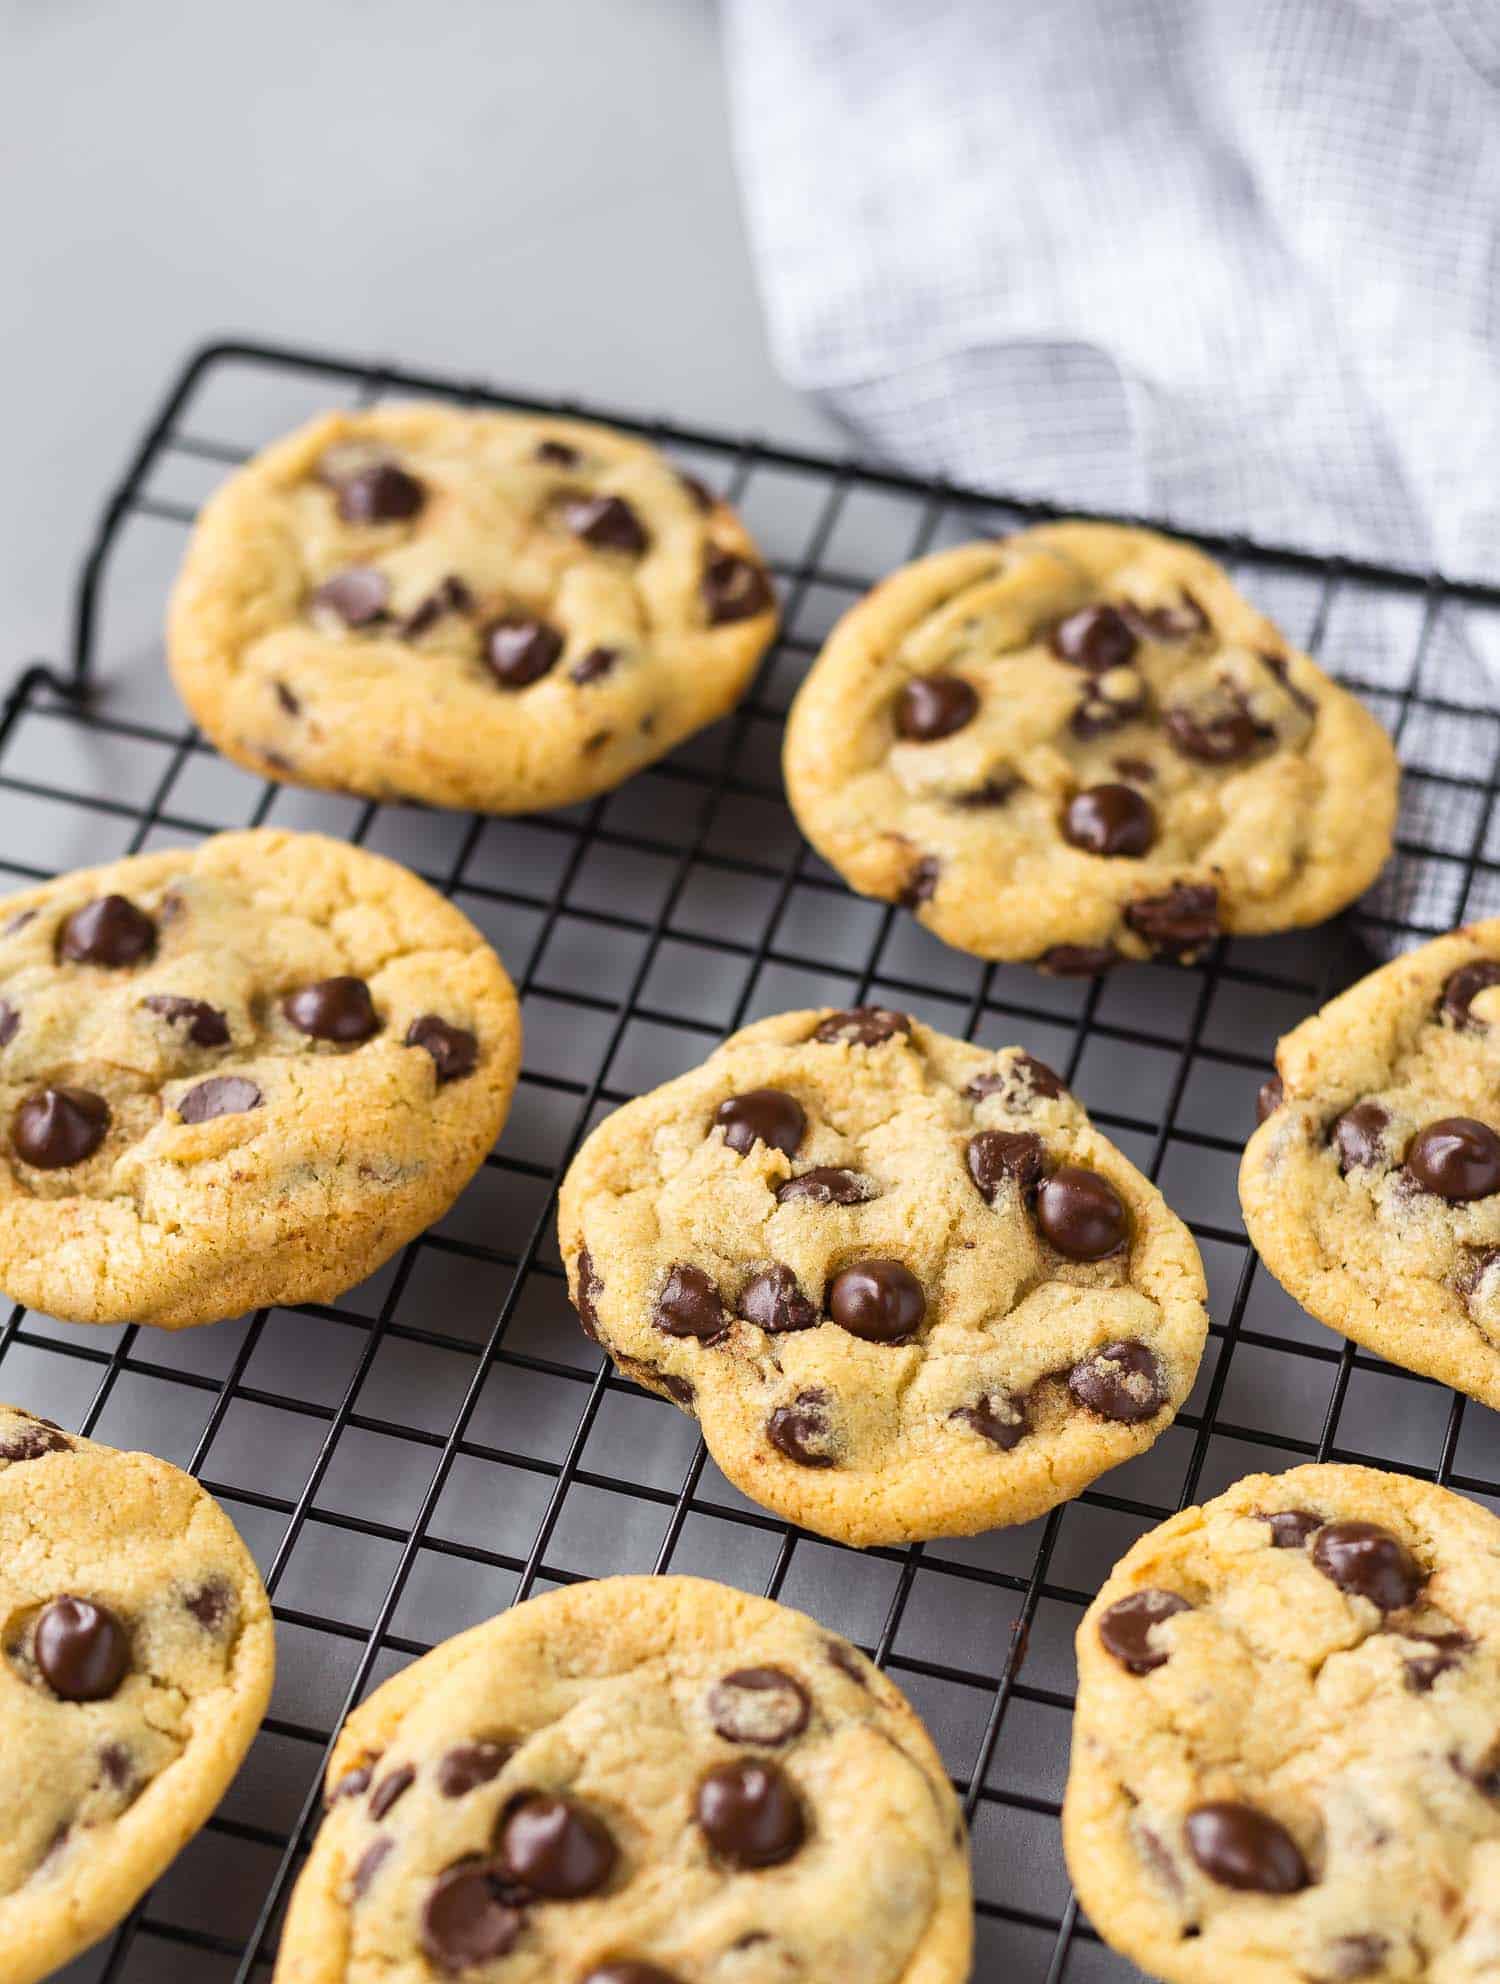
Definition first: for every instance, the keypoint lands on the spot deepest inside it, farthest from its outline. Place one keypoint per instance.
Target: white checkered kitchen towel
(1231, 262)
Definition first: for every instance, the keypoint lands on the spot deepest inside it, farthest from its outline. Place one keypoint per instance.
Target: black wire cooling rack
(443, 1442)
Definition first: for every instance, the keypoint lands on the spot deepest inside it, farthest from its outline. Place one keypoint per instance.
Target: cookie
(487, 610)
(1079, 745)
(237, 1074)
(903, 1283)
(1372, 1187)
(135, 1666)
(636, 1781)
(1285, 1763)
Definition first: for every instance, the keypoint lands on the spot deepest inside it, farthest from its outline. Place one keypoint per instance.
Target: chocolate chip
(1447, 1650)
(999, 1418)
(802, 1430)
(606, 522)
(1239, 1847)
(554, 1846)
(1462, 987)
(1123, 1382)
(462, 1769)
(629, 1972)
(1180, 922)
(734, 588)
(1096, 638)
(750, 1814)
(1369, 1562)
(368, 1865)
(1125, 1628)
(115, 1763)
(676, 1388)
(878, 1300)
(32, 1440)
(1281, 669)
(520, 650)
(994, 792)
(110, 930)
(762, 1705)
(220, 1095)
(380, 493)
(773, 1302)
(1456, 1159)
(81, 1648)
(352, 1783)
(1022, 1079)
(338, 1009)
(1078, 960)
(10, 1020)
(450, 596)
(1006, 1157)
(56, 1127)
(828, 1185)
(1290, 1528)
(1219, 733)
(559, 453)
(454, 1050)
(287, 700)
(767, 1116)
(1269, 1097)
(862, 1026)
(842, 1656)
(595, 665)
(933, 706)
(203, 1024)
(689, 1305)
(395, 1784)
(700, 492)
(1109, 703)
(359, 596)
(590, 1288)
(210, 1604)
(1169, 623)
(921, 883)
(1081, 1214)
(17, 922)
(1110, 820)
(465, 1920)
(1359, 1137)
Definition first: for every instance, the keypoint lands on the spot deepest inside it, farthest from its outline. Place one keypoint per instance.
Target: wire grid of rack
(443, 1441)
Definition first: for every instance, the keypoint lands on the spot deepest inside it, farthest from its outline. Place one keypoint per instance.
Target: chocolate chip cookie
(135, 1665)
(238, 1074)
(904, 1284)
(1080, 744)
(636, 1781)
(481, 610)
(1372, 1187)
(1285, 1762)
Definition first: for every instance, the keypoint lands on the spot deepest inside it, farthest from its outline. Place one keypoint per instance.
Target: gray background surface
(537, 194)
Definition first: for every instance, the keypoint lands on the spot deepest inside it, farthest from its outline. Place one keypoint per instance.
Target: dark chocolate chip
(1123, 1382)
(802, 1430)
(115, 1763)
(210, 1604)
(560, 454)
(1081, 1214)
(629, 1971)
(56, 1127)
(1169, 623)
(450, 596)
(220, 1095)
(81, 1648)
(554, 1846)
(773, 1302)
(368, 1865)
(1367, 1561)
(1269, 1097)
(689, 1305)
(1110, 820)
(595, 665)
(734, 588)
(994, 792)
(1462, 987)
(1006, 1157)
(395, 1784)
(32, 1440)
(1125, 1628)
(1078, 960)
(1108, 705)
(462, 1769)
(862, 1026)
(999, 1418)
(520, 650)
(10, 1020)
(454, 1049)
(828, 1185)
(1217, 733)
(1445, 1651)
(466, 1920)
(766, 1116)
(1180, 922)
(338, 1009)
(110, 930)
(203, 1024)
(1097, 638)
(933, 706)
(358, 596)
(761, 1705)
(590, 1288)
(921, 883)
(1024, 1078)
(1239, 1847)
(353, 1782)
(287, 700)
(878, 1300)
(1359, 1137)
(606, 522)
(380, 493)
(676, 1388)
(1290, 1528)
(1456, 1159)
(750, 1814)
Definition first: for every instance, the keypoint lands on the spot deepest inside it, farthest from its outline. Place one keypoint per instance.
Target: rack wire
(443, 1441)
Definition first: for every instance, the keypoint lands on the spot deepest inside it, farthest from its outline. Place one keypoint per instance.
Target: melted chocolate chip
(1112, 820)
(116, 1766)
(1462, 987)
(220, 1095)
(1006, 1157)
(1097, 638)
(32, 1440)
(1216, 734)
(395, 1784)
(994, 792)
(933, 706)
(878, 1300)
(108, 931)
(1290, 1528)
(1269, 1097)
(1359, 1137)
(10, 1020)
(558, 453)
(204, 1025)
(828, 1185)
(521, 650)
(1239, 1847)
(1123, 1382)
(802, 1430)
(999, 1418)
(750, 1814)
(1456, 1159)
(56, 1127)
(1078, 960)
(606, 522)
(81, 1648)
(1109, 704)
(466, 1920)
(921, 883)
(773, 1302)
(210, 1604)
(766, 1116)
(380, 493)
(689, 1305)
(288, 701)
(1024, 1078)
(595, 665)
(761, 1705)
(338, 1009)
(454, 1049)
(1125, 1628)
(1445, 1651)
(1367, 1561)
(463, 1769)
(862, 1026)
(368, 1865)
(734, 588)
(629, 1971)
(1169, 623)
(1081, 1214)
(359, 596)
(353, 1782)
(450, 596)
(590, 1288)
(554, 1846)
(1180, 922)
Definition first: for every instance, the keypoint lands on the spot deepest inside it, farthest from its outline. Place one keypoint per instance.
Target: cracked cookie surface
(1372, 1187)
(1080, 744)
(905, 1286)
(136, 1658)
(237, 1074)
(486, 610)
(635, 1781)
(1285, 1759)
